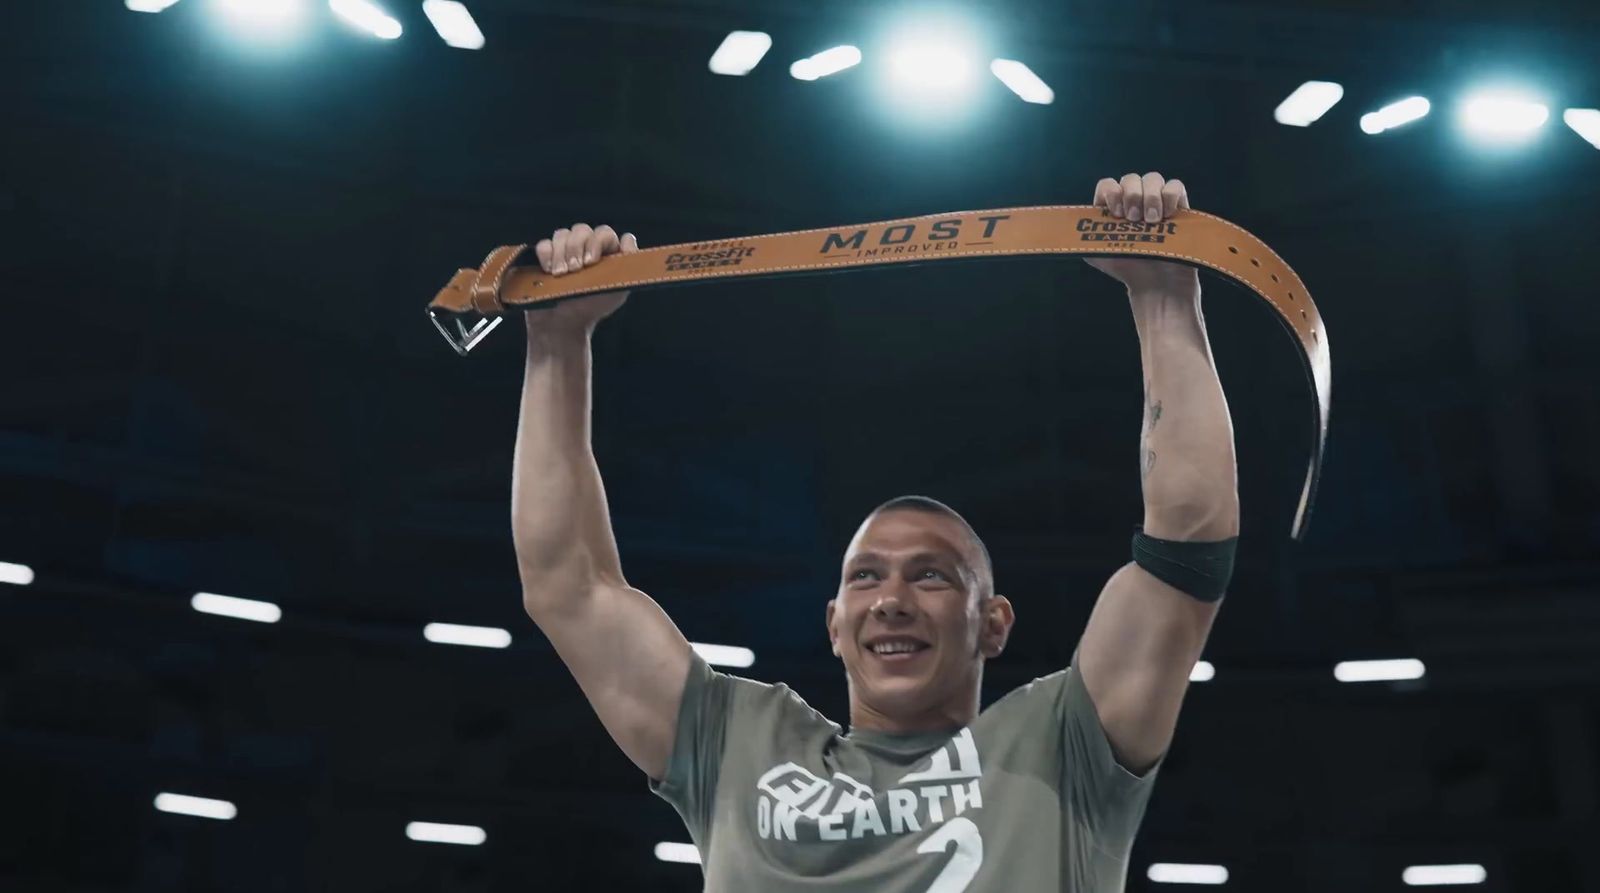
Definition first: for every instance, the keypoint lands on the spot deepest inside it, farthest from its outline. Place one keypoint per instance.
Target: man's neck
(945, 717)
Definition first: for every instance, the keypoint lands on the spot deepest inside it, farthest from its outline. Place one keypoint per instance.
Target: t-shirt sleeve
(690, 782)
(1105, 798)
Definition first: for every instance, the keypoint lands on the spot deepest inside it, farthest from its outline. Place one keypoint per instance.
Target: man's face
(911, 622)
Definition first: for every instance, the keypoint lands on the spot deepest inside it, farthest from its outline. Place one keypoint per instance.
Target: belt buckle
(463, 338)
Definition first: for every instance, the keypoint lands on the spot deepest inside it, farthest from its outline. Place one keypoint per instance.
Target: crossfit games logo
(1124, 230)
(706, 255)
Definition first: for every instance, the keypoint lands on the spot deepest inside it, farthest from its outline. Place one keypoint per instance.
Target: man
(1043, 790)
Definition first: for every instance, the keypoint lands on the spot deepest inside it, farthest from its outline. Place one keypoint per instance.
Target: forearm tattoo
(1152, 415)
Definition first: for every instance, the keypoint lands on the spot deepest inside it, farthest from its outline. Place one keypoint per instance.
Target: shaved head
(979, 559)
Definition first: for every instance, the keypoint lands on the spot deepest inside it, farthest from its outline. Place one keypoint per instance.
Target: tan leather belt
(1190, 237)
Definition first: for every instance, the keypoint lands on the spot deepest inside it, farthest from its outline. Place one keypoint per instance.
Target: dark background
(217, 375)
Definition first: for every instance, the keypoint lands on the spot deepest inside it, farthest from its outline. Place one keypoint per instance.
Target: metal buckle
(463, 339)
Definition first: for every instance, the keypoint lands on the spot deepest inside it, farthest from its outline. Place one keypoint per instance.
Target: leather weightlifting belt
(469, 307)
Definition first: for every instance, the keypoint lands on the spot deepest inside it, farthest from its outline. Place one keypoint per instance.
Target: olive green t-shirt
(777, 798)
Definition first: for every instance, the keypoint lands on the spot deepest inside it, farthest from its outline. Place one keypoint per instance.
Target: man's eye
(857, 574)
(936, 573)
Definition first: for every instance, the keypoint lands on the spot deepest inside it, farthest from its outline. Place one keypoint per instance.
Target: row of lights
(1412, 876)
(1501, 114)
(688, 854)
(438, 633)
(926, 65)
(451, 20)
(1187, 873)
(720, 655)
(935, 66)
(224, 811)
(1498, 114)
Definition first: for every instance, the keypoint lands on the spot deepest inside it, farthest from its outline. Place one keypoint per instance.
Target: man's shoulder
(1035, 694)
(1050, 682)
(771, 700)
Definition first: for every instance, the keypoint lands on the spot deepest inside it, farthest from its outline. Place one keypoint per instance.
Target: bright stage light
(1310, 101)
(15, 574)
(740, 52)
(1440, 875)
(1395, 114)
(1502, 115)
(1585, 123)
(683, 853)
(934, 60)
(1179, 873)
(724, 655)
(434, 832)
(148, 5)
(367, 16)
(1203, 672)
(1022, 81)
(263, 18)
(456, 634)
(453, 23)
(933, 67)
(1379, 670)
(201, 807)
(238, 608)
(929, 78)
(830, 61)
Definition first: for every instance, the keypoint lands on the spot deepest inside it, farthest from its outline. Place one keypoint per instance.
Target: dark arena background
(223, 219)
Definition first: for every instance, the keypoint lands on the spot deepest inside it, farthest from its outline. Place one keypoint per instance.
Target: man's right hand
(569, 250)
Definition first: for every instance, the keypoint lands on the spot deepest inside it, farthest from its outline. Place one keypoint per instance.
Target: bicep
(1138, 649)
(631, 662)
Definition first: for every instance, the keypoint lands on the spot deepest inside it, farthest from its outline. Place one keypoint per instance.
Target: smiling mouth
(895, 649)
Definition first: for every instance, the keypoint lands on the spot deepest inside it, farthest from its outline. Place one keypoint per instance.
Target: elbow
(1193, 520)
(547, 598)
(560, 582)
(543, 603)
(1193, 496)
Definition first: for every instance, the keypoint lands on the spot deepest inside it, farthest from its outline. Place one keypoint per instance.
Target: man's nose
(892, 604)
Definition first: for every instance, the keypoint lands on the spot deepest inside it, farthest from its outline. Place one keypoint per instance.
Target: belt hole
(1302, 314)
(1314, 335)
(1233, 249)
(1291, 296)
(1254, 262)
(1274, 277)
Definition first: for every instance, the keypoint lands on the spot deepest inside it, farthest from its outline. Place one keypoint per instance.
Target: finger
(1132, 196)
(1173, 197)
(558, 250)
(575, 244)
(1153, 184)
(542, 250)
(601, 243)
(630, 243)
(1108, 195)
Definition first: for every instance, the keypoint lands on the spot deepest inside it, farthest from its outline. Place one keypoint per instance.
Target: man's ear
(998, 618)
(833, 638)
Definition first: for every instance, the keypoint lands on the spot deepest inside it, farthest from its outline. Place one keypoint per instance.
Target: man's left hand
(1148, 199)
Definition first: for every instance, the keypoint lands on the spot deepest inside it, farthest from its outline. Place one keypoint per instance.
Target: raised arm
(628, 657)
(1144, 636)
